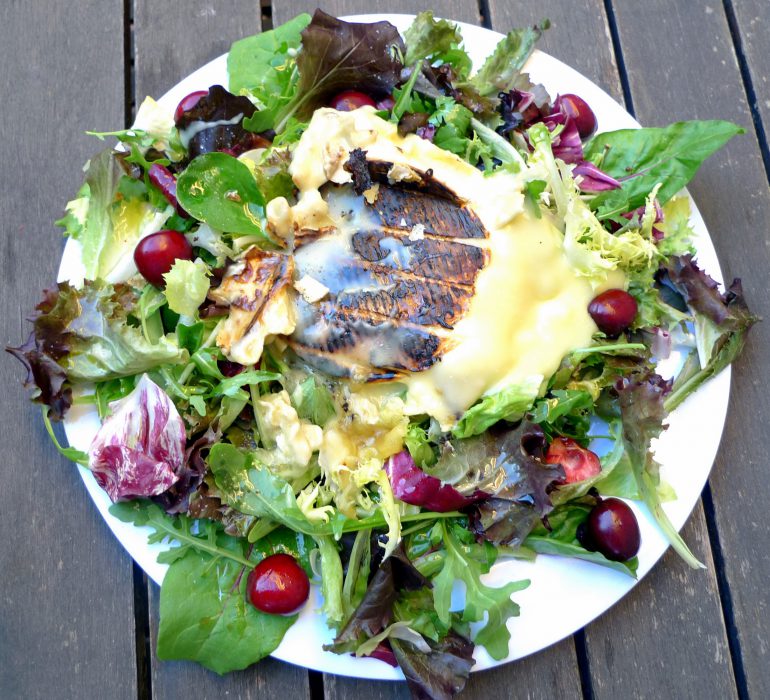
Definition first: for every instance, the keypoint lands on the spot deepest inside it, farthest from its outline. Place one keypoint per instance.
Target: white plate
(565, 594)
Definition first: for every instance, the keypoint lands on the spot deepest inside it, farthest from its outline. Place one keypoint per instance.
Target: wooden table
(78, 619)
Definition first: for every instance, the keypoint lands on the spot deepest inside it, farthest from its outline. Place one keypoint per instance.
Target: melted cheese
(530, 307)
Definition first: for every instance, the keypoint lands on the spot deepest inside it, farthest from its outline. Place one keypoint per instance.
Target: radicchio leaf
(440, 674)
(590, 179)
(207, 122)
(412, 485)
(139, 449)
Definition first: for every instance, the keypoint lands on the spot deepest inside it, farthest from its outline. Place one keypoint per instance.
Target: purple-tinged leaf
(590, 179)
(140, 447)
(412, 485)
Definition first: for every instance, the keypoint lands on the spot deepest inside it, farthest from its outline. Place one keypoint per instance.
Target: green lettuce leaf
(437, 41)
(508, 404)
(187, 284)
(500, 70)
(643, 158)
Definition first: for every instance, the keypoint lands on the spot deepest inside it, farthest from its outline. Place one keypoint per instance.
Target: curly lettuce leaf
(643, 158)
(437, 41)
(500, 71)
(107, 224)
(83, 335)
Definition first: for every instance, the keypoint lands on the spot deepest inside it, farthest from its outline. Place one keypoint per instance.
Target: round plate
(565, 594)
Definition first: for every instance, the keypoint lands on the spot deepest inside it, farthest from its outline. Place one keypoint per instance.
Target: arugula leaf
(643, 158)
(71, 453)
(479, 598)
(500, 70)
(564, 412)
(220, 190)
(205, 617)
(338, 55)
(177, 530)
(187, 284)
(510, 404)
(257, 63)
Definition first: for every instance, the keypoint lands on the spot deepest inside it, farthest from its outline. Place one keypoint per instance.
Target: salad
(376, 319)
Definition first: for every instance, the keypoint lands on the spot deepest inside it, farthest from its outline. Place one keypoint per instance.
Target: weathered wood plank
(753, 22)
(575, 28)
(184, 679)
(672, 623)
(66, 611)
(204, 30)
(579, 35)
(461, 10)
(680, 68)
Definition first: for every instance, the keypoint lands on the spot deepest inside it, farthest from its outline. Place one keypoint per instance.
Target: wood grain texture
(182, 680)
(172, 39)
(579, 35)
(753, 23)
(684, 68)
(205, 30)
(461, 10)
(666, 638)
(66, 609)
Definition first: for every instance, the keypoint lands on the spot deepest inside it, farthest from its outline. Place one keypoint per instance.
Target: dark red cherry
(612, 530)
(583, 116)
(155, 255)
(349, 100)
(187, 103)
(613, 311)
(579, 463)
(278, 585)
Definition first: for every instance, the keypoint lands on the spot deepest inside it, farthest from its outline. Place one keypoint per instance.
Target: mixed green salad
(221, 458)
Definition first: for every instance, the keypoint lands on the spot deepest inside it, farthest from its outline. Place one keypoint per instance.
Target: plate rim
(378, 670)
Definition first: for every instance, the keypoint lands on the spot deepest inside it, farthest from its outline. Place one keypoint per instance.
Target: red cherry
(613, 311)
(278, 585)
(584, 117)
(187, 103)
(613, 530)
(155, 255)
(349, 100)
(579, 463)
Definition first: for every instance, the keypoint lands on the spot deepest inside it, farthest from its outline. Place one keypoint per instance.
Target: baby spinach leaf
(643, 158)
(257, 63)
(314, 401)
(204, 615)
(220, 190)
